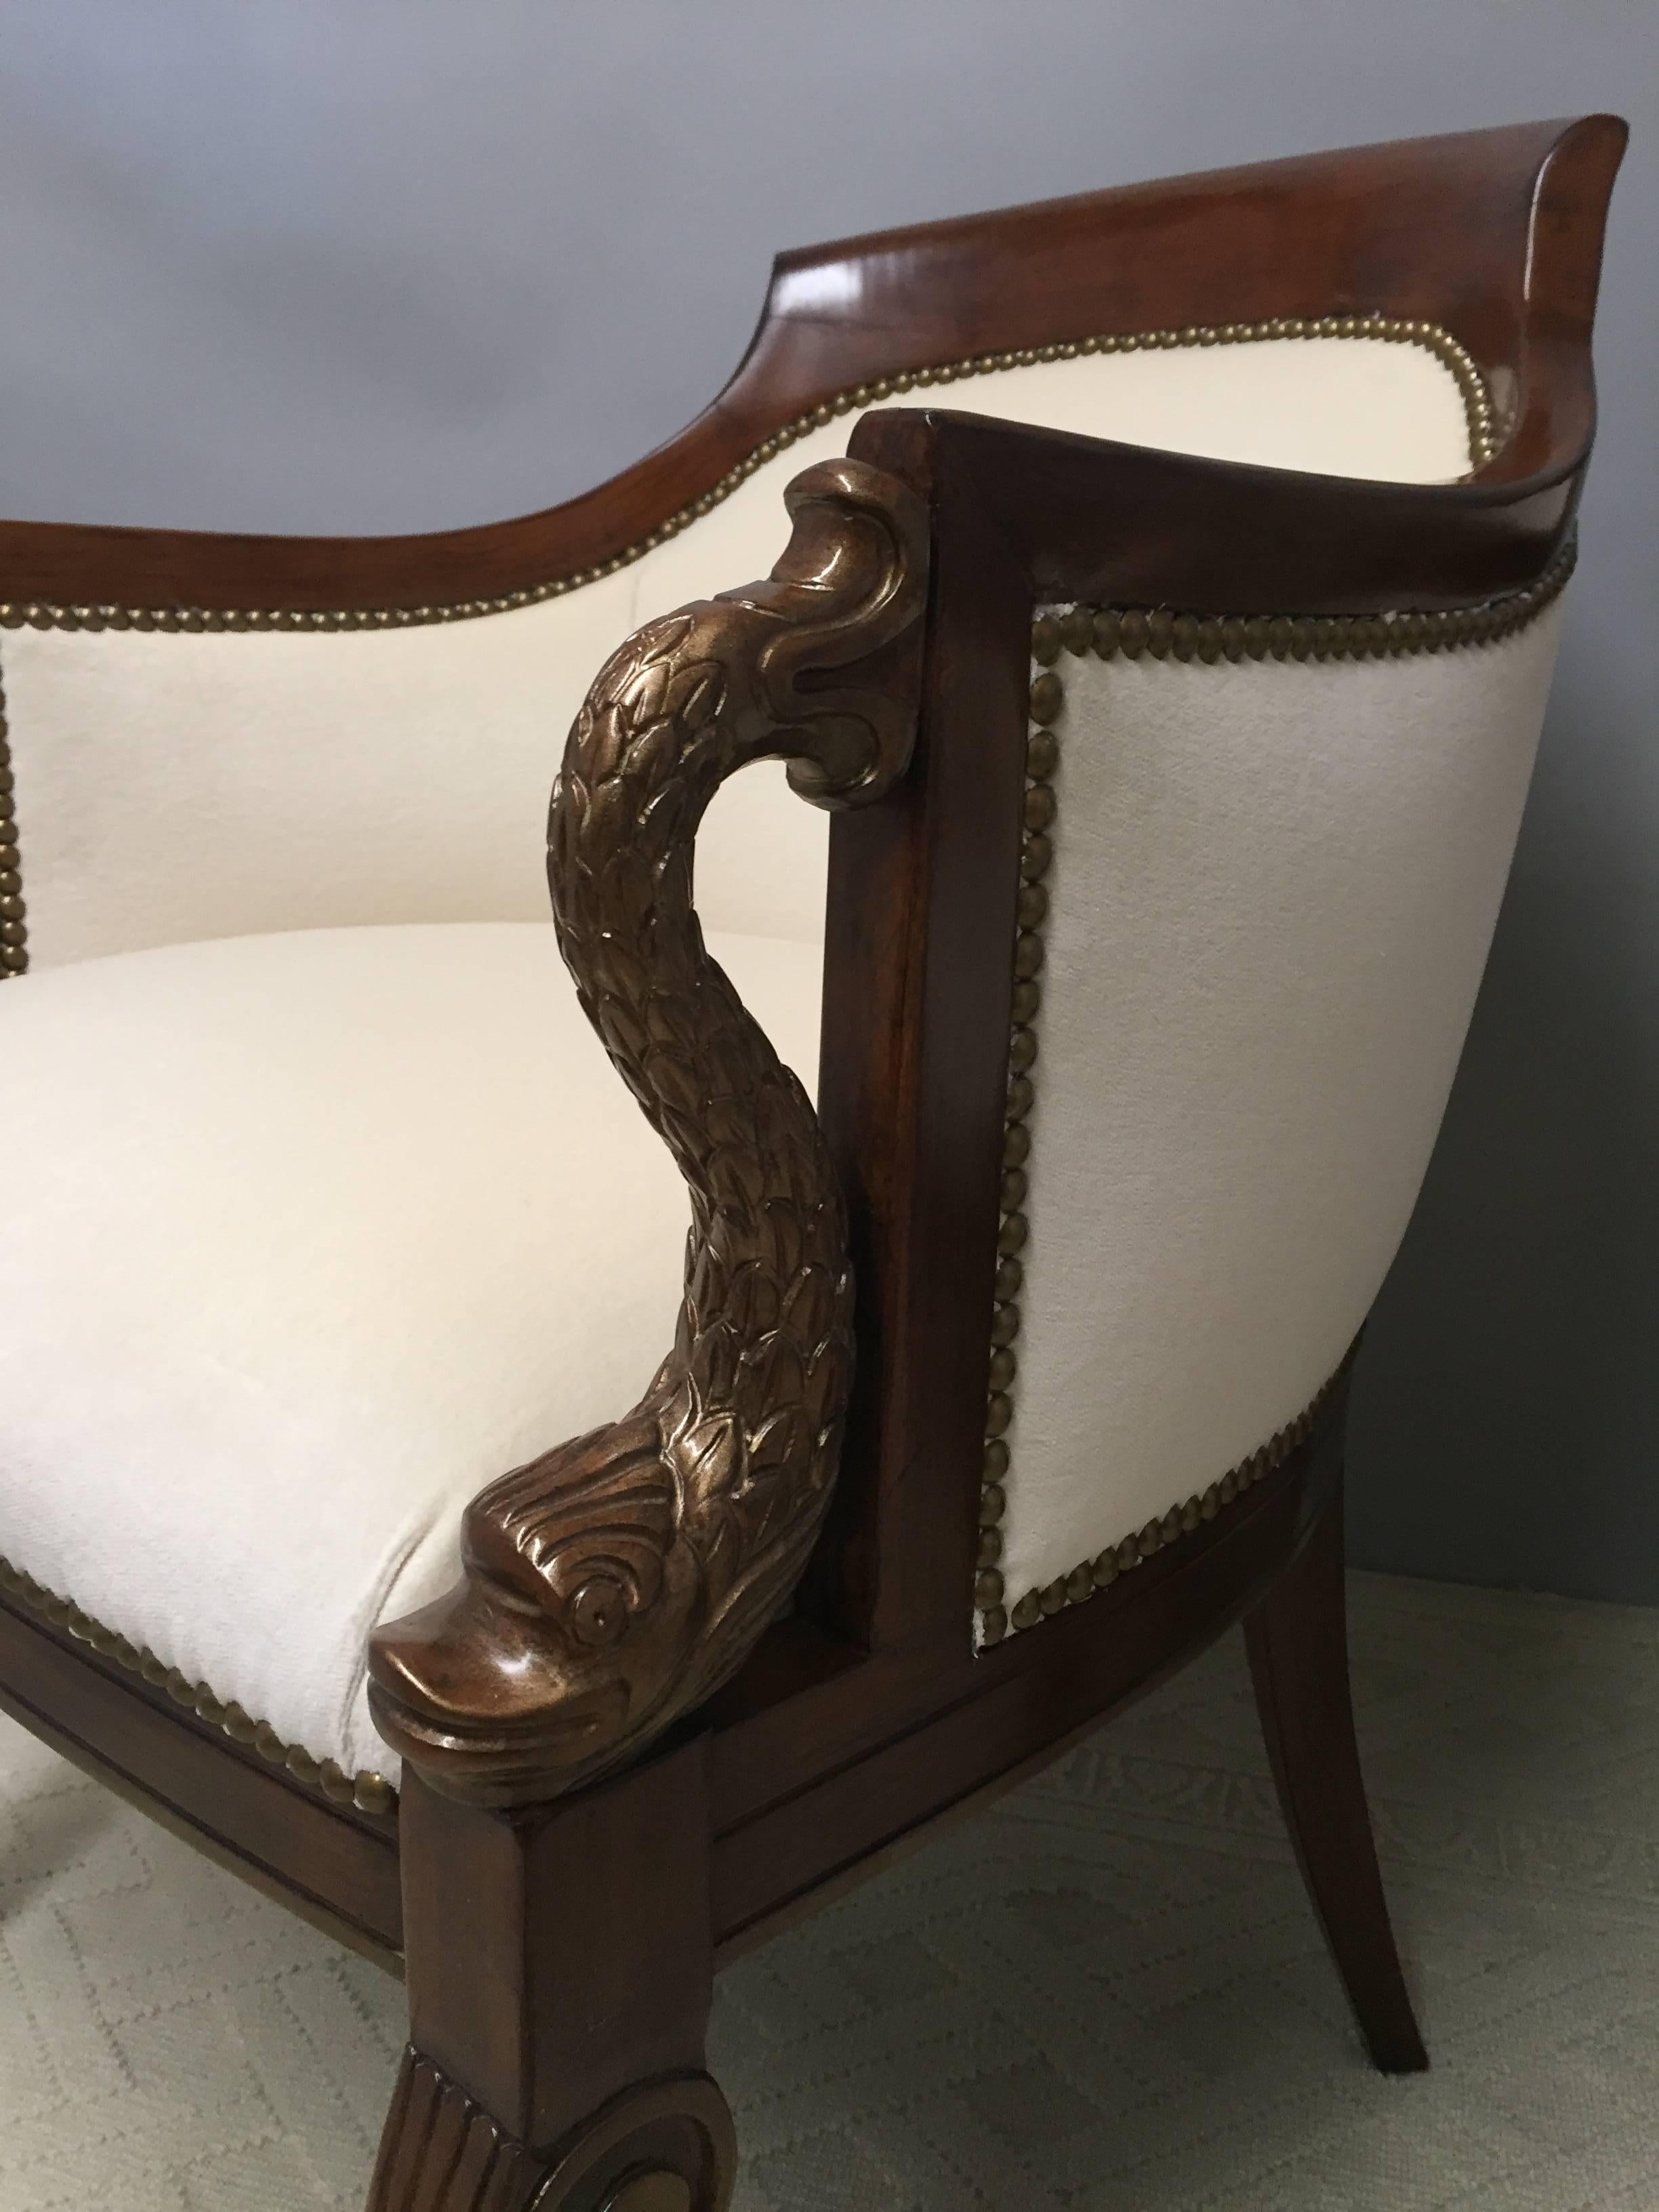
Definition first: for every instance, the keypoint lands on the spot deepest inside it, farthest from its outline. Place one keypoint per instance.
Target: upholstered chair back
(1265, 864)
(557, 1543)
(203, 776)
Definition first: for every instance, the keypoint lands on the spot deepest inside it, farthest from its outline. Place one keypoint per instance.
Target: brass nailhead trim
(14, 926)
(369, 1792)
(1099, 1573)
(1040, 807)
(1164, 634)
(1477, 407)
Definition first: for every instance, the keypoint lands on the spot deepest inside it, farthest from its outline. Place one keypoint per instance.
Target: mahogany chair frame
(559, 1956)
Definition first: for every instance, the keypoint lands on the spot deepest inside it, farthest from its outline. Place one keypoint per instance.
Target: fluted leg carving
(559, 1966)
(663, 2147)
(441, 2153)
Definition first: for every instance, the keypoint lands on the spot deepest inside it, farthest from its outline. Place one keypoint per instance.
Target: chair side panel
(1273, 889)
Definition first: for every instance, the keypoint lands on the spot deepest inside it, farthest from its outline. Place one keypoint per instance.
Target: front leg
(560, 1962)
(663, 2147)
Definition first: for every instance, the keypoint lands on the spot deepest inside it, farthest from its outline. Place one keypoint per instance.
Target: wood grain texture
(559, 1955)
(560, 1969)
(556, 1953)
(1495, 233)
(911, 1074)
(441, 2152)
(1297, 1638)
(341, 1867)
(877, 1765)
(666, 2145)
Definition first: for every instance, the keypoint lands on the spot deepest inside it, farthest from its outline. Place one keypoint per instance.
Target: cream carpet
(1107, 1994)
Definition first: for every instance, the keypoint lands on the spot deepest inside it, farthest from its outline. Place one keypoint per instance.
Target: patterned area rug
(1107, 1994)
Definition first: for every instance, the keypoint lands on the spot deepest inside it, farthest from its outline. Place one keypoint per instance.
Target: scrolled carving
(615, 1581)
(663, 2146)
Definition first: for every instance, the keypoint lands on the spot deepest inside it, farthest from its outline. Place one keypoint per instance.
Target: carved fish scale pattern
(748, 1409)
(615, 1580)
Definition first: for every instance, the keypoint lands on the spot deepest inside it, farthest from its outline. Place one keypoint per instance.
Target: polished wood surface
(635, 1854)
(1496, 235)
(558, 1956)
(615, 1581)
(794, 1744)
(864, 1718)
(973, 1731)
(912, 1083)
(923, 895)
(1297, 1638)
(341, 1867)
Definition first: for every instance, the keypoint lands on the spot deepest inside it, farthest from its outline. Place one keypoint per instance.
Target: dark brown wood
(615, 1581)
(913, 1079)
(667, 2146)
(554, 1955)
(560, 1968)
(1011, 1711)
(1442, 229)
(441, 2151)
(1298, 1637)
(799, 1712)
(923, 892)
(342, 1867)
(1219, 537)
(921, 902)
(798, 1742)
(559, 1957)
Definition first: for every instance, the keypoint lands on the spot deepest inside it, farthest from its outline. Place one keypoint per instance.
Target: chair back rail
(1495, 233)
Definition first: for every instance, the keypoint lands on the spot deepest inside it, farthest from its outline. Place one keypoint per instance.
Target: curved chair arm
(611, 1583)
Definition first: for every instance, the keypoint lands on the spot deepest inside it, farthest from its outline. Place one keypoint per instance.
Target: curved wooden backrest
(1497, 236)
(1494, 235)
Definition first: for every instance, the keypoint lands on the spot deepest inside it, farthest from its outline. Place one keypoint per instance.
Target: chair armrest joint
(613, 1583)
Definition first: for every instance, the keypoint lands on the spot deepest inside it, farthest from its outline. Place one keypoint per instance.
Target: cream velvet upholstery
(1273, 889)
(173, 786)
(307, 1237)
(315, 1225)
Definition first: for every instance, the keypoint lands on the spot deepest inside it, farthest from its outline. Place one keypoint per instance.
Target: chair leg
(1298, 1637)
(561, 1966)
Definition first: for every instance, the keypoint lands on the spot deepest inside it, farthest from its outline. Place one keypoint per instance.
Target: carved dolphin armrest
(615, 1581)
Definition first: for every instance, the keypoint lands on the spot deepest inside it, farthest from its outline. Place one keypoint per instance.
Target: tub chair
(1101, 806)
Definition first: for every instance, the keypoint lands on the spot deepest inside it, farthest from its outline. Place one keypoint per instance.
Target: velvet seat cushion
(307, 1237)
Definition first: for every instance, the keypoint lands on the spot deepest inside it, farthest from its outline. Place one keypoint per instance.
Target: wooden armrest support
(923, 900)
(614, 1581)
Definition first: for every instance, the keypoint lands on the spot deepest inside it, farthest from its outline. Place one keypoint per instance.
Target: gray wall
(375, 267)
